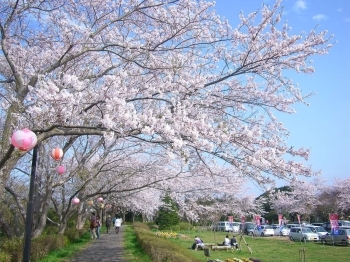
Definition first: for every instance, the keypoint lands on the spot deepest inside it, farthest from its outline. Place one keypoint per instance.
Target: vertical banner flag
(280, 220)
(230, 219)
(241, 227)
(243, 221)
(298, 218)
(257, 221)
(333, 218)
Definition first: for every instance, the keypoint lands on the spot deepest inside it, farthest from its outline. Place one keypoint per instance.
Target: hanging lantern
(57, 153)
(90, 202)
(100, 199)
(24, 139)
(61, 170)
(75, 200)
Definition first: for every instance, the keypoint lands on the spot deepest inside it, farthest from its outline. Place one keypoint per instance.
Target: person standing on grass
(93, 225)
(108, 224)
(118, 222)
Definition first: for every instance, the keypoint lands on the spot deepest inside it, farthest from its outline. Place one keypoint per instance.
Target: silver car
(302, 234)
(280, 231)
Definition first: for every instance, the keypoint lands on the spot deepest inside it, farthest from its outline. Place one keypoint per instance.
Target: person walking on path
(98, 228)
(118, 222)
(108, 224)
(93, 225)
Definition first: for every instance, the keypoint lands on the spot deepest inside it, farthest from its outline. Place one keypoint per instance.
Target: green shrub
(43, 245)
(4, 257)
(14, 248)
(185, 226)
(40, 247)
(73, 234)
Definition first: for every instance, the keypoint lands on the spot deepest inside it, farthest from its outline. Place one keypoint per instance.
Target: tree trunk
(44, 209)
(81, 218)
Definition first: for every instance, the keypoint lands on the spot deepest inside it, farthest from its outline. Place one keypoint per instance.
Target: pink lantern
(61, 170)
(100, 199)
(57, 153)
(75, 200)
(24, 139)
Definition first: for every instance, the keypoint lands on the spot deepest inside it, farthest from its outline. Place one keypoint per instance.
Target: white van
(302, 234)
(222, 226)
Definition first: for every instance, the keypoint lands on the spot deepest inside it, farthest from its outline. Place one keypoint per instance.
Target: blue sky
(324, 126)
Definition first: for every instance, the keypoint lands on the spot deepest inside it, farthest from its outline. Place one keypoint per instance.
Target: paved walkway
(108, 248)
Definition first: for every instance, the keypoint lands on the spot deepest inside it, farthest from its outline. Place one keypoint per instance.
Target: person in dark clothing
(233, 242)
(93, 225)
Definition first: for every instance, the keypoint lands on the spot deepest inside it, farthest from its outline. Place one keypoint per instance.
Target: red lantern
(61, 170)
(75, 200)
(24, 139)
(100, 199)
(57, 153)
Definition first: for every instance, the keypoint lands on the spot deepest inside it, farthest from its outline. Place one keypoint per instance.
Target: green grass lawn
(267, 249)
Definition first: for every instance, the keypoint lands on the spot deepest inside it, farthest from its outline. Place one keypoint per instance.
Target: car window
(307, 230)
(320, 229)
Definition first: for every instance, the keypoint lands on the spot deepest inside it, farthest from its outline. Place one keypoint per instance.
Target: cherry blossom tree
(171, 75)
(302, 199)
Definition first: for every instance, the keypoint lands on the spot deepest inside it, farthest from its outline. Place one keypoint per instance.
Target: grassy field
(267, 249)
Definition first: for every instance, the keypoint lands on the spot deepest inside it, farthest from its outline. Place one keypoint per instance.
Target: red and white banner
(280, 219)
(243, 220)
(333, 218)
(298, 218)
(257, 220)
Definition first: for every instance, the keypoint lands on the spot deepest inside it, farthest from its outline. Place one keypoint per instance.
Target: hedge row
(160, 249)
(12, 249)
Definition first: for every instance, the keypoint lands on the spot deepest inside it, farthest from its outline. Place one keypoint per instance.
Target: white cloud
(300, 5)
(340, 10)
(319, 17)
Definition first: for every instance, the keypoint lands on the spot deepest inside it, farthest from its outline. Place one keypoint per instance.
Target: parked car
(317, 224)
(283, 231)
(236, 226)
(263, 230)
(222, 226)
(328, 228)
(292, 225)
(342, 238)
(302, 234)
(344, 223)
(248, 228)
(320, 231)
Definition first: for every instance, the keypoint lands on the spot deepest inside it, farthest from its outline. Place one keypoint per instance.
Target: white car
(222, 226)
(236, 226)
(280, 231)
(264, 230)
(302, 234)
